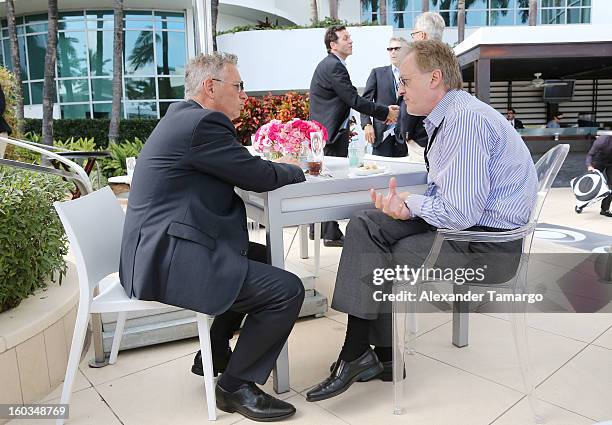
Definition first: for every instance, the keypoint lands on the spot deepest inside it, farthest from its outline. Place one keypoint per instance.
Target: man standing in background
(332, 96)
(410, 129)
(382, 86)
(514, 121)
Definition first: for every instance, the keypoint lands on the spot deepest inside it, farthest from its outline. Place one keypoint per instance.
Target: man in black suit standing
(382, 86)
(185, 240)
(332, 96)
(511, 116)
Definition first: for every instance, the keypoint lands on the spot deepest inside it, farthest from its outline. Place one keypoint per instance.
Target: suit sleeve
(341, 83)
(216, 151)
(369, 93)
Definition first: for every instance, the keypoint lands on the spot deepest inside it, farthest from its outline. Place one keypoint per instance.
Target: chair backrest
(547, 169)
(94, 226)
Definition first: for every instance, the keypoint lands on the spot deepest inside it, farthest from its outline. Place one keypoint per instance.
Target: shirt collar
(340, 59)
(395, 70)
(438, 113)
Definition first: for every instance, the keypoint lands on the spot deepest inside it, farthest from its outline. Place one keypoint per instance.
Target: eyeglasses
(404, 81)
(390, 49)
(239, 86)
(414, 33)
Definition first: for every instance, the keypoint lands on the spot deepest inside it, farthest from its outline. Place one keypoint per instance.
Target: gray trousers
(376, 241)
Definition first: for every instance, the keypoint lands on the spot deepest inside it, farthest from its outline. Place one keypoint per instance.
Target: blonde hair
(433, 54)
(203, 67)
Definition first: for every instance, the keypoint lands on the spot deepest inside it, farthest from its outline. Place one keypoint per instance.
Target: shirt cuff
(414, 203)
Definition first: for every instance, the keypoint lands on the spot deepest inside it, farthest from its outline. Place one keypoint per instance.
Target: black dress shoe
(606, 213)
(364, 368)
(333, 242)
(386, 375)
(253, 403)
(219, 363)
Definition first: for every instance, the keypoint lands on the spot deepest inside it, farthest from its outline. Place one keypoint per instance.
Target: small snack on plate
(369, 167)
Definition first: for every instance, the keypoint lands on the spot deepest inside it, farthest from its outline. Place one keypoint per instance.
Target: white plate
(381, 169)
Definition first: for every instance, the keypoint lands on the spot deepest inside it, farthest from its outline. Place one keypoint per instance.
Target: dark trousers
(390, 148)
(605, 202)
(270, 299)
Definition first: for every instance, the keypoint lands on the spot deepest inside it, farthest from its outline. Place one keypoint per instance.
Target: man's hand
(369, 133)
(393, 204)
(590, 168)
(287, 160)
(393, 114)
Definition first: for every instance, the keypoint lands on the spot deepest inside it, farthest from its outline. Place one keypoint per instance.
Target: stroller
(589, 188)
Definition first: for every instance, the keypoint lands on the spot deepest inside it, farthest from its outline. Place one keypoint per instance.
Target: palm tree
(533, 12)
(113, 128)
(214, 12)
(333, 9)
(314, 11)
(399, 6)
(424, 5)
(49, 84)
(461, 20)
(142, 53)
(12, 29)
(382, 16)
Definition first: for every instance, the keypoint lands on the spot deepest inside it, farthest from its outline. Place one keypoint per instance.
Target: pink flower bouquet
(285, 138)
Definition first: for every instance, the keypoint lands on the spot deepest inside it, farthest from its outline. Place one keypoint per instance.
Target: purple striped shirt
(481, 173)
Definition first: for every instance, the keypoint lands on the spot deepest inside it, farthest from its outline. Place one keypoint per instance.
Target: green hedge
(97, 128)
(32, 240)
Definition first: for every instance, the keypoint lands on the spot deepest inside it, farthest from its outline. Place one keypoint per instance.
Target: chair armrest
(496, 237)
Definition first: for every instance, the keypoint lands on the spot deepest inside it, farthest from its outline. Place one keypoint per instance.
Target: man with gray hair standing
(409, 128)
(185, 240)
(381, 87)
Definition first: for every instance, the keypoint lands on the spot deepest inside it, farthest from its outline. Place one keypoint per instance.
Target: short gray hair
(430, 23)
(400, 40)
(203, 67)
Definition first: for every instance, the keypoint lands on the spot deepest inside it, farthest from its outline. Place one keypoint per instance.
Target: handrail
(75, 172)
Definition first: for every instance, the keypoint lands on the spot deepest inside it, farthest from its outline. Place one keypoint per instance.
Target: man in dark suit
(185, 240)
(382, 86)
(332, 95)
(511, 116)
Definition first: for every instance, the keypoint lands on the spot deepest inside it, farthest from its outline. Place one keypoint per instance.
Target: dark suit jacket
(4, 127)
(185, 238)
(332, 95)
(410, 127)
(518, 123)
(380, 88)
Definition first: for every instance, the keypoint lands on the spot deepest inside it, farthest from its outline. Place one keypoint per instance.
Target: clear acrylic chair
(94, 226)
(404, 313)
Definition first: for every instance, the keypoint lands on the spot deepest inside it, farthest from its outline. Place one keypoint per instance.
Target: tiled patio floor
(479, 384)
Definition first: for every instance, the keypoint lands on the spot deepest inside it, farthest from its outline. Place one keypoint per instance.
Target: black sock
(384, 354)
(230, 383)
(356, 340)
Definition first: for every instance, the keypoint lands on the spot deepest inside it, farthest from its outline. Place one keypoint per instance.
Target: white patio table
(335, 196)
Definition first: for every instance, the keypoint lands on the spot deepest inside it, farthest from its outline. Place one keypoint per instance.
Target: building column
(482, 79)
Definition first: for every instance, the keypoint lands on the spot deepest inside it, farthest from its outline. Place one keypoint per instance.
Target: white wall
(285, 60)
(601, 13)
(226, 22)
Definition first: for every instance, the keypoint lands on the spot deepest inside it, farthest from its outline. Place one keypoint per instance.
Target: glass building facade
(154, 58)
(402, 13)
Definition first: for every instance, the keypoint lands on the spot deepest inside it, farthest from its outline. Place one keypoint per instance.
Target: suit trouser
(271, 299)
(605, 202)
(390, 148)
(376, 241)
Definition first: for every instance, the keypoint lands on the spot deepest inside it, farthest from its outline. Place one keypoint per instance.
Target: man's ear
(436, 79)
(208, 88)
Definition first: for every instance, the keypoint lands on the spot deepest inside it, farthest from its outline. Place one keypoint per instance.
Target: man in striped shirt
(481, 178)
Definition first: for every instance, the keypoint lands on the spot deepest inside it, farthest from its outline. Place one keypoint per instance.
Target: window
(155, 56)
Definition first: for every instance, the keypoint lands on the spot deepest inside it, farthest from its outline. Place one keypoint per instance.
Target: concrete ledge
(35, 341)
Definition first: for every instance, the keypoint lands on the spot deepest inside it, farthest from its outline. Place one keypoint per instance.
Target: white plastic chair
(94, 226)
(404, 316)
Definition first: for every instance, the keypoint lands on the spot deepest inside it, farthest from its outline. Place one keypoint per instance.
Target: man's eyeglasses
(391, 49)
(239, 86)
(414, 33)
(404, 81)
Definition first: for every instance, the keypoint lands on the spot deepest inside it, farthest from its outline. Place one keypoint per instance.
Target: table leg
(274, 239)
(303, 241)
(461, 316)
